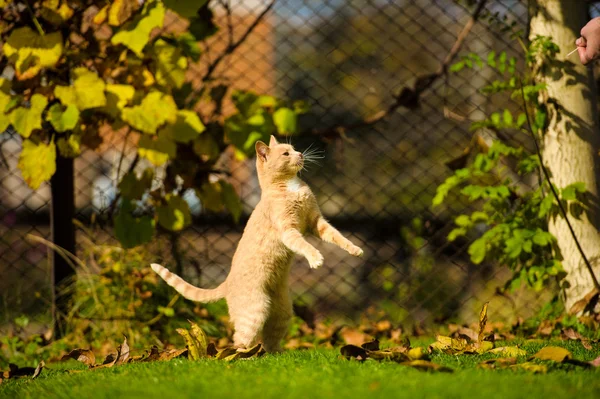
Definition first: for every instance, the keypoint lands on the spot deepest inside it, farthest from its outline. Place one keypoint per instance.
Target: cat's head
(278, 160)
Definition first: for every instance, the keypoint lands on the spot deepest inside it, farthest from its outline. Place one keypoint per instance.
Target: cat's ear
(262, 150)
(273, 141)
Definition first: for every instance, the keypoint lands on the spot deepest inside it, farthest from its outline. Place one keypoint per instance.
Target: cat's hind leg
(248, 315)
(277, 324)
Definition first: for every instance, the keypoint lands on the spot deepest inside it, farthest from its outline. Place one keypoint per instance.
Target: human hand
(588, 45)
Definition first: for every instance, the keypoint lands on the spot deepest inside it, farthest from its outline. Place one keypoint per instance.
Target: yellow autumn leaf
(170, 64)
(55, 11)
(117, 98)
(37, 162)
(157, 149)
(101, 16)
(155, 109)
(31, 52)
(482, 321)
(26, 120)
(87, 90)
(121, 10)
(135, 34)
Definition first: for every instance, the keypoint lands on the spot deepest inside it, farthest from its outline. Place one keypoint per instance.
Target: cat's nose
(301, 156)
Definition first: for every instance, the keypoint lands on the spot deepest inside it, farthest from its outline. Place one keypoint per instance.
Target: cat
(256, 289)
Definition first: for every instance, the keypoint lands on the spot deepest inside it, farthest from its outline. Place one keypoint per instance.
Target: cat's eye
(286, 153)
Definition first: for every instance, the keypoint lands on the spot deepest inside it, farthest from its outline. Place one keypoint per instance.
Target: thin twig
(554, 193)
(409, 96)
(35, 20)
(113, 204)
(231, 47)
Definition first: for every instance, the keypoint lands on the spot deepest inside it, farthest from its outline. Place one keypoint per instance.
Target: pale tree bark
(571, 143)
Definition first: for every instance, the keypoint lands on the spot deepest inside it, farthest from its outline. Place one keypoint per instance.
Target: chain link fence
(347, 59)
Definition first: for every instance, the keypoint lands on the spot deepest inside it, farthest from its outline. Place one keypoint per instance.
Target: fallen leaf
(383, 326)
(211, 350)
(16, 371)
(371, 346)
(482, 321)
(448, 345)
(509, 351)
(353, 351)
(571, 334)
(497, 363)
(255, 351)
(554, 353)
(479, 347)
(38, 369)
(223, 353)
(425, 365)
(352, 336)
(418, 353)
(85, 356)
(531, 367)
(595, 362)
(583, 303)
(122, 353)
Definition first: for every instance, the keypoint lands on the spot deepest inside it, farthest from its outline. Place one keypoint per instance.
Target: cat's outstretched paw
(316, 260)
(355, 251)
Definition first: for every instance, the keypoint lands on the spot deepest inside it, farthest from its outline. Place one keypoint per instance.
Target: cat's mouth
(300, 164)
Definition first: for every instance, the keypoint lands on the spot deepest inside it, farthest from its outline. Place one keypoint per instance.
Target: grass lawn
(312, 374)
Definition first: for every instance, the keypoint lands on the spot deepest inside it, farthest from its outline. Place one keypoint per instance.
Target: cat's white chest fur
(293, 185)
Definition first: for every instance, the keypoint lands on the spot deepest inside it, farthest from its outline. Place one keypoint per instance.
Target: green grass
(311, 374)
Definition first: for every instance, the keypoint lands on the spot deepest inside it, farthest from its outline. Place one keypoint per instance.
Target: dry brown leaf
(508, 351)
(448, 345)
(425, 365)
(583, 303)
(85, 356)
(497, 363)
(255, 351)
(211, 350)
(353, 351)
(38, 369)
(595, 362)
(571, 334)
(482, 321)
(554, 353)
(16, 371)
(352, 336)
(383, 326)
(371, 346)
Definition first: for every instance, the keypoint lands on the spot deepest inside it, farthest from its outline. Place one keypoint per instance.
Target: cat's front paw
(355, 251)
(316, 260)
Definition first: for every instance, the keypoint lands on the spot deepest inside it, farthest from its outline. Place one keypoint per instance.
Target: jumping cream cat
(256, 288)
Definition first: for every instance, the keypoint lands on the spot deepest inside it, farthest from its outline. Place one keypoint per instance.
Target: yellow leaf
(121, 10)
(482, 321)
(101, 16)
(175, 214)
(117, 97)
(554, 353)
(25, 120)
(5, 98)
(55, 11)
(187, 127)
(156, 108)
(170, 64)
(135, 34)
(31, 52)
(148, 78)
(157, 149)
(37, 162)
(69, 147)
(509, 351)
(87, 90)
(531, 367)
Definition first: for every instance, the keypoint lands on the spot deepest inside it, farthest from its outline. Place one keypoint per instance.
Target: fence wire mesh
(347, 59)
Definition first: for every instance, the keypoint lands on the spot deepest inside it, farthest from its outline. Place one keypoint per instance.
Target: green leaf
(210, 195)
(285, 119)
(31, 52)
(185, 8)
(37, 162)
(156, 108)
(187, 127)
(133, 188)
(457, 67)
(477, 250)
(542, 238)
(495, 119)
(117, 98)
(502, 62)
(491, 60)
(26, 120)
(513, 247)
(479, 216)
(168, 312)
(463, 221)
(170, 64)
(5, 100)
(231, 200)
(189, 45)
(87, 90)
(507, 117)
(135, 34)
(206, 147)
(157, 149)
(175, 214)
(202, 25)
(546, 205)
(69, 147)
(131, 230)
(569, 193)
(63, 120)
(457, 232)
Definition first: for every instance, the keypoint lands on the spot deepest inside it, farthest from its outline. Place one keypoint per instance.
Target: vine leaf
(25, 120)
(69, 147)
(121, 10)
(185, 8)
(206, 147)
(232, 201)
(117, 98)
(157, 149)
(135, 34)
(87, 90)
(55, 11)
(285, 119)
(156, 108)
(130, 230)
(170, 64)
(31, 52)
(133, 188)
(63, 120)
(175, 214)
(37, 162)
(187, 127)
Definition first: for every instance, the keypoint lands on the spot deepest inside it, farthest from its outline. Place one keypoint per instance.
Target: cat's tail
(186, 289)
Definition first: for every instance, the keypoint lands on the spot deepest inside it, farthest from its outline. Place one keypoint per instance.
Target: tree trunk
(571, 143)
